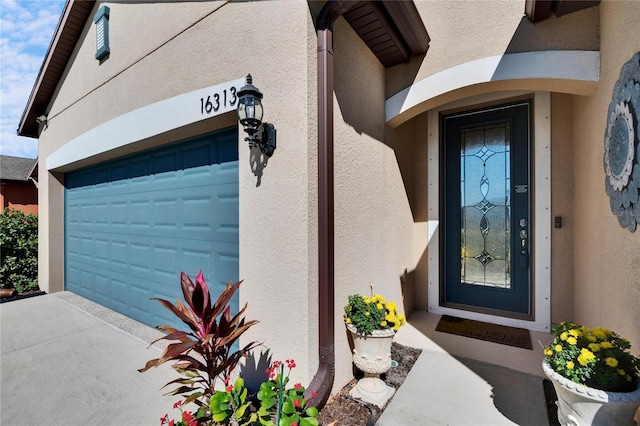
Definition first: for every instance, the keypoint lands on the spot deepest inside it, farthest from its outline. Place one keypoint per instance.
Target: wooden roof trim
(393, 30)
(70, 27)
(539, 10)
(409, 23)
(563, 7)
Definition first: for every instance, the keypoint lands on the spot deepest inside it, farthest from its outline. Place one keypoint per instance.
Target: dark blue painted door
(486, 242)
(133, 224)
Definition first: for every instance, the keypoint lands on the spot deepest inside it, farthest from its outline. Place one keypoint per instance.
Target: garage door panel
(132, 225)
(160, 213)
(144, 255)
(102, 287)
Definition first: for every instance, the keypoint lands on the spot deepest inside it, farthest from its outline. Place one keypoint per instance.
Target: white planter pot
(580, 405)
(372, 355)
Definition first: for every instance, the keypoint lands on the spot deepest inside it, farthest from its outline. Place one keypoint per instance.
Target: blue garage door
(133, 224)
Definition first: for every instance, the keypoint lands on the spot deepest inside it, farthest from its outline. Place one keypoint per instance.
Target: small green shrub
(19, 250)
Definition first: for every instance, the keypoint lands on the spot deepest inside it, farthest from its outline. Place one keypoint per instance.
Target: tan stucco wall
(607, 257)
(462, 31)
(380, 172)
(562, 167)
(183, 52)
(373, 219)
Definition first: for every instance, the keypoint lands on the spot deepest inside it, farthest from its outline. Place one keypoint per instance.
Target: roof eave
(539, 10)
(393, 31)
(60, 49)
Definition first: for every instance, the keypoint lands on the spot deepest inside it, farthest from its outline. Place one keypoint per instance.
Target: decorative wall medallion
(621, 147)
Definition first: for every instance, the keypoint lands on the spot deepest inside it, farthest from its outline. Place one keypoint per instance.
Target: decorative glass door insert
(486, 205)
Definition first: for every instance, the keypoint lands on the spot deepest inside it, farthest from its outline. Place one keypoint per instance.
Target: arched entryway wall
(490, 81)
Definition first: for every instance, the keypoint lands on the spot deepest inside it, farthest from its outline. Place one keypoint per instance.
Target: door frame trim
(541, 210)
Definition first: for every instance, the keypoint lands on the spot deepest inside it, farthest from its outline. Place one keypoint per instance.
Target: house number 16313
(212, 103)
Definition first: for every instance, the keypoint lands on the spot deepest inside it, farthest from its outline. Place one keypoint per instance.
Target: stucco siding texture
(463, 31)
(562, 167)
(606, 256)
(373, 221)
(381, 208)
(191, 46)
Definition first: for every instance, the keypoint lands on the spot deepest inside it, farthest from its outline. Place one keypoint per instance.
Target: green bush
(19, 250)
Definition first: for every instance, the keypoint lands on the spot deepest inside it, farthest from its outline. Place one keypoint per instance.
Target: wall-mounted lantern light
(101, 19)
(262, 135)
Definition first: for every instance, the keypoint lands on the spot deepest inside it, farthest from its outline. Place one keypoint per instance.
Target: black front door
(487, 231)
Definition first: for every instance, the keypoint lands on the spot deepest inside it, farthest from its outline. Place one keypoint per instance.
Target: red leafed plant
(204, 353)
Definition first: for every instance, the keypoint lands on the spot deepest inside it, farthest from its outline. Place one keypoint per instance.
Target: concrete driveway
(67, 361)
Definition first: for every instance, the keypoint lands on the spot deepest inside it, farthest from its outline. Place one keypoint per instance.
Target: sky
(26, 29)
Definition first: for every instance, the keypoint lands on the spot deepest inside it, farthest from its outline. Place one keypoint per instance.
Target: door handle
(524, 256)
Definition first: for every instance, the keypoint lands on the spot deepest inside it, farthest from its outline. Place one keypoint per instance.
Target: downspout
(322, 382)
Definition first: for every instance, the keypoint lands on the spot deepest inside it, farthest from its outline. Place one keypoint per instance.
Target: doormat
(518, 337)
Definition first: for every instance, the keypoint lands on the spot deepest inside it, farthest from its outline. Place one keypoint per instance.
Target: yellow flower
(347, 320)
(585, 356)
(591, 338)
(367, 313)
(558, 348)
(402, 319)
(564, 335)
(382, 299)
(548, 351)
(606, 345)
(621, 372)
(599, 333)
(575, 333)
(612, 362)
(570, 365)
(572, 340)
(391, 306)
(396, 327)
(383, 323)
(366, 300)
(391, 318)
(379, 306)
(594, 347)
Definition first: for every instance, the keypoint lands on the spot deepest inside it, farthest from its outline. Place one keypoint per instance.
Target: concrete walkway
(60, 365)
(67, 361)
(442, 389)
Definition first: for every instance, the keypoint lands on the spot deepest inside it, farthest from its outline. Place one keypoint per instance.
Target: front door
(487, 193)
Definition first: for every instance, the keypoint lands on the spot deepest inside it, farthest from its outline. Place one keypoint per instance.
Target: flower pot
(581, 405)
(372, 355)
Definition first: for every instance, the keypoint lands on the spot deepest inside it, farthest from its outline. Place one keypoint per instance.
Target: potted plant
(594, 374)
(372, 322)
